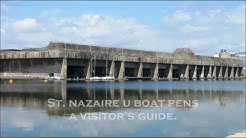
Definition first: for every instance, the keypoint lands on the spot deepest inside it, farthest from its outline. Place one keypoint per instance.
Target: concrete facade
(84, 61)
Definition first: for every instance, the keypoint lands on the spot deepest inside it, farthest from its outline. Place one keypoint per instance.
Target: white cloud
(96, 29)
(191, 28)
(106, 30)
(177, 16)
(24, 25)
(181, 16)
(204, 31)
(210, 30)
(3, 31)
(49, 13)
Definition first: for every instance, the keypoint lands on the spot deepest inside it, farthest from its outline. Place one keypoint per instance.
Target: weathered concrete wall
(30, 67)
(57, 57)
(74, 51)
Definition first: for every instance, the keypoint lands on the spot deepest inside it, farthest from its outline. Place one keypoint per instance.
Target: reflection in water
(37, 96)
(216, 103)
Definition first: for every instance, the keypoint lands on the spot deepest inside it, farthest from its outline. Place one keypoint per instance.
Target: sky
(205, 26)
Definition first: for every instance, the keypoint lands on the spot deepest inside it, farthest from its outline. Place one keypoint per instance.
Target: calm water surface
(25, 111)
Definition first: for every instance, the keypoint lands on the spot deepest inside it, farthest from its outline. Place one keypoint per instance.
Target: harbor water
(142, 108)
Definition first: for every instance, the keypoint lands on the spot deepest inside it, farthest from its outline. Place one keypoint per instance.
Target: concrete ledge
(24, 75)
(238, 135)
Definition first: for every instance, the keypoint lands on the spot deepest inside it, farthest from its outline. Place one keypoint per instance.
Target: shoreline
(237, 135)
(83, 79)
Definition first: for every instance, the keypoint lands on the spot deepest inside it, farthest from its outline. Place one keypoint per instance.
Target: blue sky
(205, 27)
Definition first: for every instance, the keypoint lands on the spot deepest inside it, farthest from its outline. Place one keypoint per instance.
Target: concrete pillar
(187, 93)
(122, 96)
(242, 72)
(220, 73)
(89, 93)
(140, 70)
(63, 74)
(88, 70)
(214, 73)
(122, 93)
(226, 73)
(64, 91)
(156, 94)
(186, 75)
(111, 93)
(156, 72)
(140, 91)
(112, 67)
(122, 71)
(170, 72)
(202, 74)
(232, 73)
(237, 73)
(209, 76)
(194, 77)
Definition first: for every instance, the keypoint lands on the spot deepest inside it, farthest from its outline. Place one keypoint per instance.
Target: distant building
(224, 54)
(216, 55)
(240, 55)
(234, 56)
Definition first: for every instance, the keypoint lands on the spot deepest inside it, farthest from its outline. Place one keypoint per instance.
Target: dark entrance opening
(223, 71)
(229, 71)
(199, 72)
(217, 71)
(176, 73)
(235, 71)
(162, 73)
(51, 74)
(191, 72)
(75, 72)
(240, 71)
(99, 72)
(146, 72)
(130, 72)
(206, 70)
